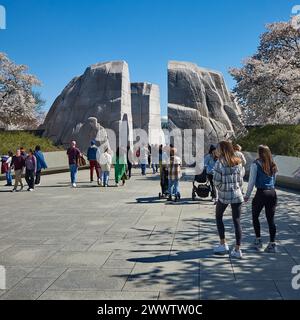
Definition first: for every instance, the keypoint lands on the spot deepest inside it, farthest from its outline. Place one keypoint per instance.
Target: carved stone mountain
(91, 130)
(199, 99)
(102, 92)
(145, 100)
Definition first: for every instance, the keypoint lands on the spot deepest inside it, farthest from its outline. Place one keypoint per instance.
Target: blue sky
(58, 39)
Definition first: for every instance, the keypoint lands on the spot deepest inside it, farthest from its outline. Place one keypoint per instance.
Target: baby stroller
(201, 186)
(164, 182)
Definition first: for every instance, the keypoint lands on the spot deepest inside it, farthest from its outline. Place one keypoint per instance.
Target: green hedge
(13, 140)
(282, 139)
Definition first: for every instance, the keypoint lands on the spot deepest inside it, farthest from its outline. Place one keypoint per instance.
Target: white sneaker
(236, 254)
(221, 249)
(74, 185)
(100, 182)
(117, 184)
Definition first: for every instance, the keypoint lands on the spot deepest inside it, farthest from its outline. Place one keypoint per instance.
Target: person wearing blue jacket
(263, 175)
(92, 158)
(210, 161)
(40, 164)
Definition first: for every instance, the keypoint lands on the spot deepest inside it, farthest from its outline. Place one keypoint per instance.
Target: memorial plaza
(126, 243)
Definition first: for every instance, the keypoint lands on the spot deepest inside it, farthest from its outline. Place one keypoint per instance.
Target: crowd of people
(224, 167)
(32, 163)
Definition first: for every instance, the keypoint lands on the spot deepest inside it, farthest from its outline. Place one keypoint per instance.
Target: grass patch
(282, 139)
(13, 140)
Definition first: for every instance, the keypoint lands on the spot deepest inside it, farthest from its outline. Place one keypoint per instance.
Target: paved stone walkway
(124, 243)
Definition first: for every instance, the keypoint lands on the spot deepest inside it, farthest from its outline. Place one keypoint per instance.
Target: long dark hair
(268, 164)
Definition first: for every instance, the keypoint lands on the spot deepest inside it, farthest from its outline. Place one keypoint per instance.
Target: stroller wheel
(193, 196)
(159, 195)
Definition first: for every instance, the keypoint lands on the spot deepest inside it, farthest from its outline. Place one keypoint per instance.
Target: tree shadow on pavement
(257, 276)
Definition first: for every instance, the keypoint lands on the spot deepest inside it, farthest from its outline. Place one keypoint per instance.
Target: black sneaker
(177, 198)
(271, 248)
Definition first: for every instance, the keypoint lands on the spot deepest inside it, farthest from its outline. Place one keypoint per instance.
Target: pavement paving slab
(125, 243)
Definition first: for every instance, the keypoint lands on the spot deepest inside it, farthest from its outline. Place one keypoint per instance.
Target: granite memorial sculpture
(104, 98)
(145, 100)
(102, 92)
(91, 130)
(199, 99)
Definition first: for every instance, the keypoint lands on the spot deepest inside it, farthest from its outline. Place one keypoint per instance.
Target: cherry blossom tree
(268, 84)
(20, 106)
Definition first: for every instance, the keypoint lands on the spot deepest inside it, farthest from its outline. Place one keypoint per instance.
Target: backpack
(4, 167)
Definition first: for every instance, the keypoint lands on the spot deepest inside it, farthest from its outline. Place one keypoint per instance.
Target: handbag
(81, 161)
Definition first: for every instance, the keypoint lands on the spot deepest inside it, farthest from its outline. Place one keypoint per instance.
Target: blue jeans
(154, 167)
(173, 187)
(105, 178)
(143, 167)
(73, 172)
(8, 177)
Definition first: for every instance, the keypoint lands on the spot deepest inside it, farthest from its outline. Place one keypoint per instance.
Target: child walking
(6, 168)
(105, 163)
(174, 172)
